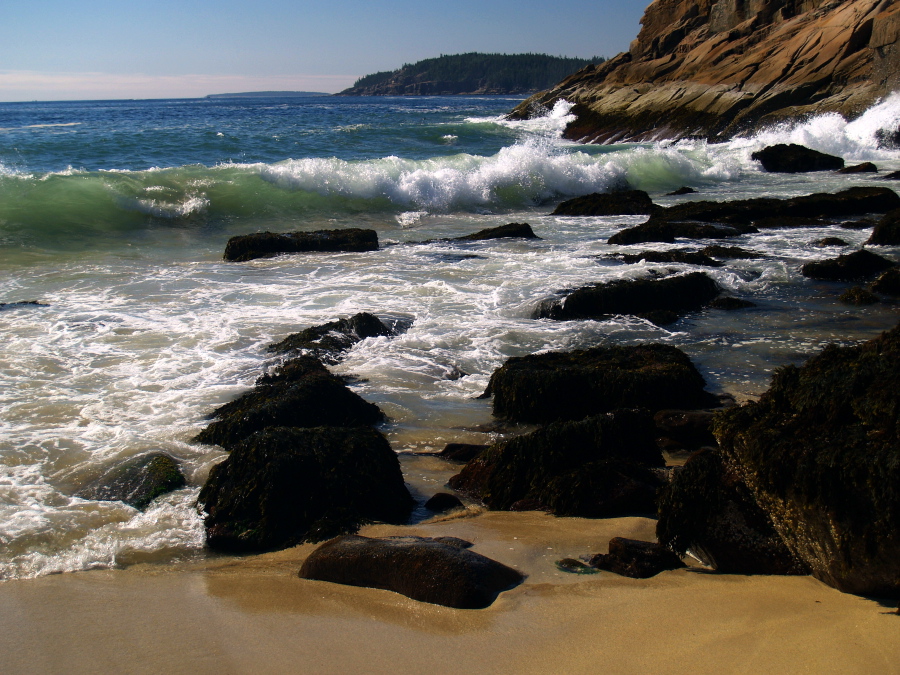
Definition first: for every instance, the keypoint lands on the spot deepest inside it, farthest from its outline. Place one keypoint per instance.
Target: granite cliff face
(715, 68)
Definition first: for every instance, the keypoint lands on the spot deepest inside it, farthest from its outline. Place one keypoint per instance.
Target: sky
(99, 49)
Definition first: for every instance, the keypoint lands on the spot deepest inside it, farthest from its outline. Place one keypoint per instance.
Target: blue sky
(58, 50)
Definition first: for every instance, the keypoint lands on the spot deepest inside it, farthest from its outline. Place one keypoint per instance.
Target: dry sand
(254, 615)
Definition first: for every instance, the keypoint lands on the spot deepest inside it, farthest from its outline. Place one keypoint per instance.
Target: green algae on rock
(138, 481)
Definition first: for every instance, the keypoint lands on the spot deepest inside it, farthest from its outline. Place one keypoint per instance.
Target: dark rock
(785, 222)
(666, 232)
(858, 296)
(683, 256)
(681, 191)
(830, 241)
(893, 175)
(865, 167)
(420, 568)
(512, 230)
(330, 340)
(636, 559)
(595, 468)
(553, 386)
(729, 252)
(861, 264)
(858, 224)
(793, 158)
(137, 481)
(442, 502)
(888, 283)
(820, 452)
(887, 230)
(708, 510)
(690, 428)
(677, 295)
(269, 244)
(461, 452)
(23, 303)
(283, 486)
(730, 304)
(302, 393)
(623, 203)
(573, 566)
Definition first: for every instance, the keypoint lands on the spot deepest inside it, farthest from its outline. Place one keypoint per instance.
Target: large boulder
(793, 158)
(137, 481)
(330, 340)
(597, 467)
(861, 264)
(553, 386)
(708, 511)
(268, 244)
(887, 230)
(661, 301)
(636, 559)
(620, 203)
(508, 231)
(440, 570)
(283, 486)
(820, 452)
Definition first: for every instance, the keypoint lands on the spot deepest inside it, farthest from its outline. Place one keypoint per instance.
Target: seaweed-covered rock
(621, 203)
(865, 167)
(441, 502)
(708, 510)
(283, 486)
(594, 468)
(861, 264)
(685, 428)
(302, 393)
(137, 481)
(636, 559)
(888, 282)
(509, 231)
(435, 570)
(859, 296)
(330, 340)
(675, 295)
(553, 386)
(793, 158)
(268, 244)
(887, 230)
(820, 452)
(684, 256)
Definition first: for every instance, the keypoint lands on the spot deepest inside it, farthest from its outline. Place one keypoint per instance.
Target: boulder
(461, 452)
(793, 158)
(648, 298)
(301, 393)
(861, 264)
(862, 224)
(330, 340)
(708, 511)
(683, 256)
(636, 559)
(830, 241)
(888, 283)
(442, 502)
(887, 230)
(820, 453)
(283, 486)
(858, 296)
(553, 386)
(597, 467)
(620, 203)
(509, 231)
(865, 167)
(269, 244)
(681, 191)
(893, 175)
(729, 252)
(666, 232)
(425, 569)
(137, 481)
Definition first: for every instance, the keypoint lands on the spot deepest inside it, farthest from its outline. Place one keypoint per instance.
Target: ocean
(114, 216)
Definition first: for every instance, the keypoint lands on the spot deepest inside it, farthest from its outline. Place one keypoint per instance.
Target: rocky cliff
(715, 68)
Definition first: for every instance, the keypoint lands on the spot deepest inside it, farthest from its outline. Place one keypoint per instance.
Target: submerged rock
(830, 241)
(429, 570)
(636, 559)
(793, 158)
(661, 301)
(269, 244)
(858, 296)
(22, 303)
(681, 191)
(553, 386)
(509, 231)
(730, 304)
(621, 203)
(887, 230)
(862, 264)
(330, 340)
(461, 452)
(888, 283)
(137, 481)
(283, 486)
(595, 468)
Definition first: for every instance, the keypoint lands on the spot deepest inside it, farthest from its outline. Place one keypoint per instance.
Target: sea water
(114, 215)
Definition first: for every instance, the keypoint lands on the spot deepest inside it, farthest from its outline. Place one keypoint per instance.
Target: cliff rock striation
(716, 68)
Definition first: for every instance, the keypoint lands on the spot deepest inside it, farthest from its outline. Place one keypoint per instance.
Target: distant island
(472, 73)
(270, 94)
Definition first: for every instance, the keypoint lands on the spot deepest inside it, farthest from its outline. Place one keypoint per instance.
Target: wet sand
(254, 615)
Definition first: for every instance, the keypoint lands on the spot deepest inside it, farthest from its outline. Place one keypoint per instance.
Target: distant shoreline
(271, 94)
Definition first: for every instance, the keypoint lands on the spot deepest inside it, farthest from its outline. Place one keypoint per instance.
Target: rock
(849, 267)
(269, 244)
(893, 175)
(717, 69)
(283, 486)
(442, 502)
(137, 481)
(888, 283)
(22, 303)
(865, 167)
(729, 252)
(667, 232)
(677, 295)
(858, 224)
(730, 304)
(636, 559)
(681, 191)
(858, 296)
(682, 256)
(573, 566)
(887, 230)
(708, 510)
(688, 428)
(793, 158)
(830, 241)
(461, 452)
(420, 568)
(621, 203)
(597, 467)
(552, 386)
(820, 452)
(330, 340)
(512, 230)
(301, 393)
